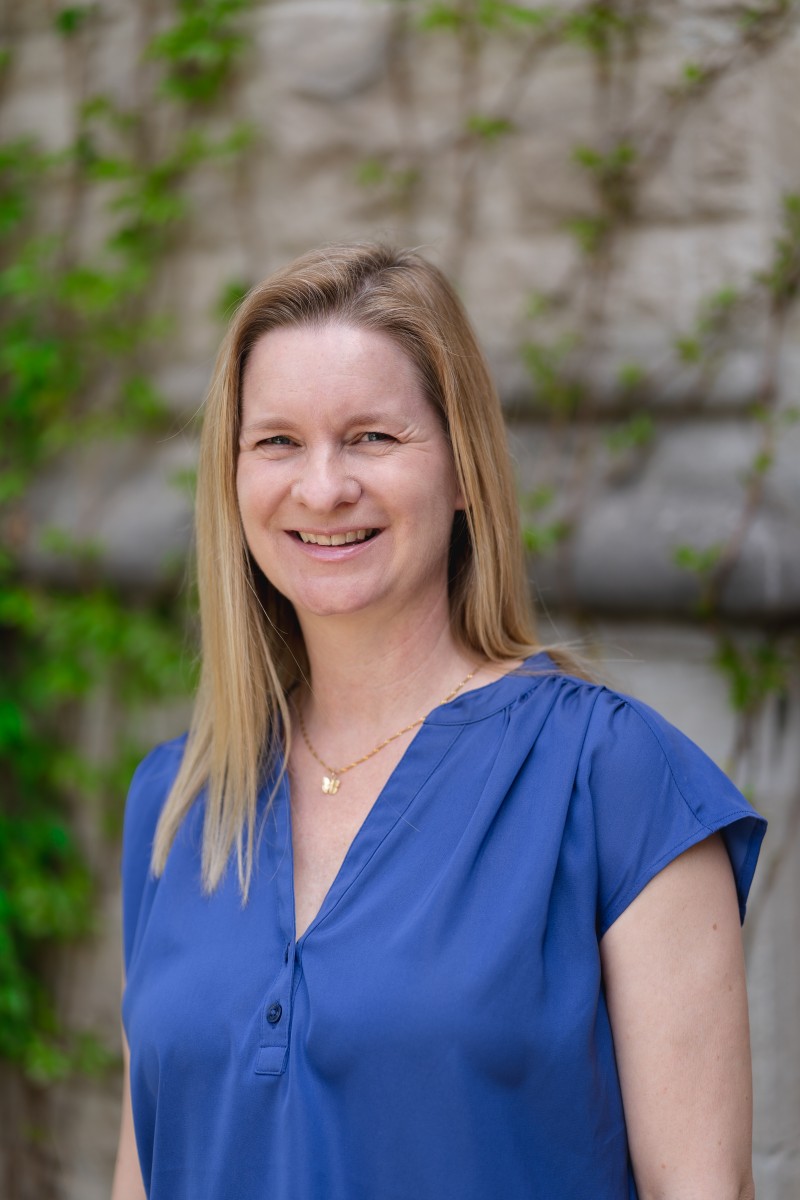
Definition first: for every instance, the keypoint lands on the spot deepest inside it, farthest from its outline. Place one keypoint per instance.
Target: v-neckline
(412, 771)
(419, 760)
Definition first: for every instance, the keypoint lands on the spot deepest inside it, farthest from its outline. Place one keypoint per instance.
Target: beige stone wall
(336, 87)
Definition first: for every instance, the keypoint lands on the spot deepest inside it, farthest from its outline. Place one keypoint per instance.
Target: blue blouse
(440, 1030)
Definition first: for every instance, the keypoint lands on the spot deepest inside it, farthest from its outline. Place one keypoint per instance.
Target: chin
(323, 603)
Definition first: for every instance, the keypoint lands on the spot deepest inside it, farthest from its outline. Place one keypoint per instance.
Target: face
(345, 476)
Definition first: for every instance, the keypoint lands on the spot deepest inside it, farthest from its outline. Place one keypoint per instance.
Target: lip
(333, 553)
(343, 532)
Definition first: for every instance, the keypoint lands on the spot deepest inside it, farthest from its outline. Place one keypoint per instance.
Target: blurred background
(615, 189)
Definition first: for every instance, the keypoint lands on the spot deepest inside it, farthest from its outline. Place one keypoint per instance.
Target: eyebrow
(367, 418)
(264, 423)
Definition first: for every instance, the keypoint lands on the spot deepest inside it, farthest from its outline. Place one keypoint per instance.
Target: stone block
(686, 491)
(115, 65)
(710, 169)
(86, 1119)
(85, 1113)
(129, 500)
(37, 101)
(192, 285)
(26, 20)
(558, 113)
(666, 272)
(183, 384)
(326, 49)
(780, 125)
(706, 26)
(502, 271)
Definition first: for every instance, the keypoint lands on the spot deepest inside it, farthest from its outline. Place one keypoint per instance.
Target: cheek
(254, 514)
(252, 494)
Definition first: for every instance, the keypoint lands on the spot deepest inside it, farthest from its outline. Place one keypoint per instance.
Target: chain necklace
(331, 781)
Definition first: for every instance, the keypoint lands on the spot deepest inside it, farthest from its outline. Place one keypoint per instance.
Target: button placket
(276, 1004)
(276, 1011)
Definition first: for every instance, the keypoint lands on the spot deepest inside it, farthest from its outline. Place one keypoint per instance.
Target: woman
(414, 912)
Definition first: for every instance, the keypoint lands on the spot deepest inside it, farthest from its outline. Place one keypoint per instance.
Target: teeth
(336, 539)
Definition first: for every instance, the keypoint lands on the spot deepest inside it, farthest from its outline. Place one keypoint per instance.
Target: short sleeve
(654, 794)
(150, 786)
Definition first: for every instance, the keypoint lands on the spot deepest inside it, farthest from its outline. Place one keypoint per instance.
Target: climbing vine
(77, 331)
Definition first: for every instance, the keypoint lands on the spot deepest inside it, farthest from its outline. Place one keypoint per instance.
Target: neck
(373, 674)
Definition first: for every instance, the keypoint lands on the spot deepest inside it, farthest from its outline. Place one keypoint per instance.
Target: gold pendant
(330, 785)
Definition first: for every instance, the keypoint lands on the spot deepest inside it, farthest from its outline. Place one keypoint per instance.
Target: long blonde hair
(252, 648)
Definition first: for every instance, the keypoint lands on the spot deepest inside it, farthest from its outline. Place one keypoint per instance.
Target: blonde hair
(252, 648)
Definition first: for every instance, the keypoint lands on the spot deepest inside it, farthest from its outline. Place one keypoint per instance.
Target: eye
(374, 436)
(280, 439)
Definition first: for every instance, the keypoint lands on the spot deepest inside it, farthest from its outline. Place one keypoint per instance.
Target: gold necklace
(331, 781)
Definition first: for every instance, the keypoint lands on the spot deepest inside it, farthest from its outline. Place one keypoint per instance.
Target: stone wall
(463, 143)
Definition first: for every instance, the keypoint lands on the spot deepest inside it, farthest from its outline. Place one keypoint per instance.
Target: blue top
(440, 1030)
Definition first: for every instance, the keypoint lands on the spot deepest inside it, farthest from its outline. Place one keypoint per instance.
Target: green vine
(76, 329)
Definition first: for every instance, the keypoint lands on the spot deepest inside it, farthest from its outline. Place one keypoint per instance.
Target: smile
(336, 539)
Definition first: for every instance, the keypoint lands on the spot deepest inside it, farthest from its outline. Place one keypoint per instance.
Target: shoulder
(654, 793)
(638, 789)
(153, 777)
(621, 734)
(632, 746)
(149, 788)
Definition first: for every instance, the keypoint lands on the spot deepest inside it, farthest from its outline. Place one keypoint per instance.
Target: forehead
(331, 360)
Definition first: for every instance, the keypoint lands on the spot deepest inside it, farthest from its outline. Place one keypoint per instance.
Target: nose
(322, 483)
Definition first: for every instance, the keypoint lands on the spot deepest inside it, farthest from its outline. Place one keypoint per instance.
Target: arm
(127, 1183)
(674, 975)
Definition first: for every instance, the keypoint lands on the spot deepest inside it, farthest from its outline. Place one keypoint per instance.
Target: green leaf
(548, 366)
(692, 75)
(700, 560)
(545, 537)
(754, 671)
(599, 26)
(538, 499)
(495, 12)
(69, 21)
(537, 305)
(631, 375)
(142, 405)
(688, 349)
(370, 172)
(443, 16)
(590, 232)
(634, 434)
(489, 128)
(200, 49)
(230, 297)
(782, 276)
(88, 291)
